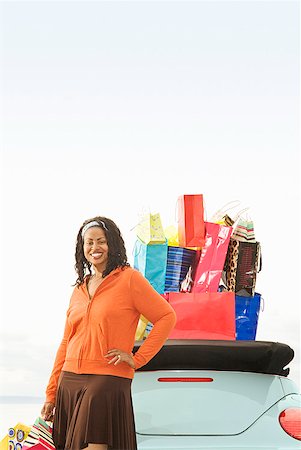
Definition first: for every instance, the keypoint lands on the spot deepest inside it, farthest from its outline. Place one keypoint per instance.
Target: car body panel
(216, 405)
(264, 434)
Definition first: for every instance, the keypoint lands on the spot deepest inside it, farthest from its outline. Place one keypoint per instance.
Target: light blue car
(199, 394)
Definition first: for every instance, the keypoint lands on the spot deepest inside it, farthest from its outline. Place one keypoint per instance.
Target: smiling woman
(89, 391)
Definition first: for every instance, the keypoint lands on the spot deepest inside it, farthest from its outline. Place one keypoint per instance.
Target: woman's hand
(47, 411)
(117, 356)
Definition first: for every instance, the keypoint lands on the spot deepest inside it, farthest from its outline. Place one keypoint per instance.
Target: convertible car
(199, 394)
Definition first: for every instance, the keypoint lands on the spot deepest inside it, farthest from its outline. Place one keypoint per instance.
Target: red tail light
(290, 420)
(185, 379)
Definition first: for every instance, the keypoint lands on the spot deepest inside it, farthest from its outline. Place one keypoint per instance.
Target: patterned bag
(15, 437)
(178, 262)
(244, 231)
(39, 437)
(243, 262)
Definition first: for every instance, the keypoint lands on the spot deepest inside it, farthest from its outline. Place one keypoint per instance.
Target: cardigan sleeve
(58, 364)
(157, 310)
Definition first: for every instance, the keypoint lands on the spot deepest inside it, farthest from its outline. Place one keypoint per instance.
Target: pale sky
(113, 108)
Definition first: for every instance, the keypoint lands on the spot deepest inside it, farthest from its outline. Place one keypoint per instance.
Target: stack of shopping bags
(205, 270)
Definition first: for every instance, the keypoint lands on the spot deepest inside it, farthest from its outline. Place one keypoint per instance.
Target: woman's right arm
(57, 367)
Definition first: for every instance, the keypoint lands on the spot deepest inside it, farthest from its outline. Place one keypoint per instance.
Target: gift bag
(178, 262)
(246, 316)
(211, 263)
(141, 327)
(226, 220)
(15, 437)
(191, 227)
(149, 230)
(203, 315)
(187, 283)
(244, 231)
(151, 261)
(172, 236)
(39, 437)
(243, 262)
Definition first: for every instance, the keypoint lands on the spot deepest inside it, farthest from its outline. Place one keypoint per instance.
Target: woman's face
(96, 248)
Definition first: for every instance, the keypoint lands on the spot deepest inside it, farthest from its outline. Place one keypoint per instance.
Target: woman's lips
(96, 255)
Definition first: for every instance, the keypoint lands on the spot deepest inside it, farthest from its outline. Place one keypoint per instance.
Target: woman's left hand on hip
(117, 356)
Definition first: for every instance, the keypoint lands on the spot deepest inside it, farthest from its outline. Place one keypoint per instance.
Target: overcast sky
(113, 108)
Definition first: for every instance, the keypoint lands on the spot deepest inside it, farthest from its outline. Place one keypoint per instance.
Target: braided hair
(116, 254)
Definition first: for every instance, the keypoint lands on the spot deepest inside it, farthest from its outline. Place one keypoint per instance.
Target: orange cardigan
(109, 321)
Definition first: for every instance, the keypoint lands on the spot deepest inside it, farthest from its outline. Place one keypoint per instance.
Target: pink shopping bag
(209, 268)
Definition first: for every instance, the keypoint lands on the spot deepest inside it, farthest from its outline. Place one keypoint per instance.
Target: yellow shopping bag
(149, 230)
(171, 234)
(141, 328)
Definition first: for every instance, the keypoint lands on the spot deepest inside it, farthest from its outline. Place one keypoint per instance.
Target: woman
(89, 392)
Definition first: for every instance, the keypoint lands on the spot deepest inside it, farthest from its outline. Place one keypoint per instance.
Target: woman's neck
(98, 271)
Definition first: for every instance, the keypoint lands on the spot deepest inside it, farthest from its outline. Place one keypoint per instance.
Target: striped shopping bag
(178, 262)
(39, 437)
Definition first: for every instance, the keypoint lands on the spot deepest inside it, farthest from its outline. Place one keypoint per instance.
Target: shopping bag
(187, 283)
(226, 220)
(191, 227)
(178, 262)
(149, 230)
(211, 263)
(15, 437)
(172, 236)
(243, 262)
(151, 261)
(141, 327)
(244, 231)
(246, 316)
(203, 315)
(39, 437)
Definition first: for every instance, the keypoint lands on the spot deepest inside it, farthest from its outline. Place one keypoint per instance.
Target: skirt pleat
(94, 409)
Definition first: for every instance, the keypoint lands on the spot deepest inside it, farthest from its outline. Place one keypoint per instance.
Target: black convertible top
(242, 356)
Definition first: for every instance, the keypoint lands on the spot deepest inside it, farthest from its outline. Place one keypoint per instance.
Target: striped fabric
(39, 437)
(179, 260)
(244, 231)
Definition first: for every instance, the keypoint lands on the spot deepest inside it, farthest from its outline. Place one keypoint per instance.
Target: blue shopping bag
(179, 260)
(151, 260)
(246, 316)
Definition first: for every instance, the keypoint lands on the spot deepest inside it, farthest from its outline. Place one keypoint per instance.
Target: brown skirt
(94, 409)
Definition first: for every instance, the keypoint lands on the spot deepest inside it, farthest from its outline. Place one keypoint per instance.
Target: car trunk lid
(201, 402)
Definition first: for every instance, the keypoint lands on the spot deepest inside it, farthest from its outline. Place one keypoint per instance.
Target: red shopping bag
(208, 315)
(191, 227)
(209, 268)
